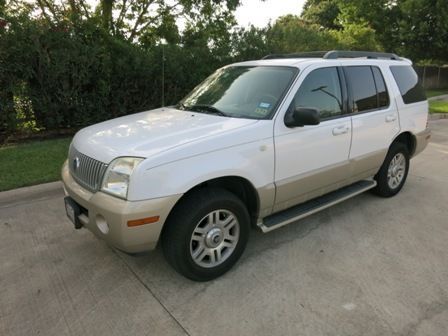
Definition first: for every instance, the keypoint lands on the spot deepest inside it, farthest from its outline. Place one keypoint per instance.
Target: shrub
(63, 76)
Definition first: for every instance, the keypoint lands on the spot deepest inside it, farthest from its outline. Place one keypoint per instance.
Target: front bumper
(422, 140)
(101, 208)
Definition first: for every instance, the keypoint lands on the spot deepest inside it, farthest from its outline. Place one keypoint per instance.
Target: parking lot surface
(368, 266)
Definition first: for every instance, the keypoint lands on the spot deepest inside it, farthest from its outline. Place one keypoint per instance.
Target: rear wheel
(206, 234)
(394, 171)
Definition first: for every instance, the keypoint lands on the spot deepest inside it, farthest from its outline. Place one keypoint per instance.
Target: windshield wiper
(205, 109)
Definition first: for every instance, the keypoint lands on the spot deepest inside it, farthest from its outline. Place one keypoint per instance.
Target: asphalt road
(368, 266)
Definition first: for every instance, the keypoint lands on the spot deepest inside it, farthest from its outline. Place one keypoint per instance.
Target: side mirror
(302, 116)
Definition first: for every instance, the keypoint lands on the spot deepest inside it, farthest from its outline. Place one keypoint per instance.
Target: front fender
(253, 161)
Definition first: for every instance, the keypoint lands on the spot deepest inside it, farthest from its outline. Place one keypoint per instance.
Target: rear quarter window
(408, 83)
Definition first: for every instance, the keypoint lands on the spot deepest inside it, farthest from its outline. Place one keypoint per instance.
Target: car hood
(148, 133)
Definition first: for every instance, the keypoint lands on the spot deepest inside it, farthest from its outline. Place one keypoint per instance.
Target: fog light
(102, 224)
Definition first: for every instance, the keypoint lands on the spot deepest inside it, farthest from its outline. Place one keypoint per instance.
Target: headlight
(116, 178)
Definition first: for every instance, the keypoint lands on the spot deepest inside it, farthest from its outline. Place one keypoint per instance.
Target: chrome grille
(86, 171)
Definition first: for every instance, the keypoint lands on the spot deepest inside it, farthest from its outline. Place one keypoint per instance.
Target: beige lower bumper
(103, 208)
(422, 140)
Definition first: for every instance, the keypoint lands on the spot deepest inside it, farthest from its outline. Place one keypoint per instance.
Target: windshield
(241, 91)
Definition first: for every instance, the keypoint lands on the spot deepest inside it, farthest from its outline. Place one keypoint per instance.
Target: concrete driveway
(369, 266)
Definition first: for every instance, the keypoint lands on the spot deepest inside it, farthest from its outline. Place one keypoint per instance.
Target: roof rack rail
(335, 54)
(306, 54)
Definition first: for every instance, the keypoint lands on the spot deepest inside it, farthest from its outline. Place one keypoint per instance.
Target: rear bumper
(103, 208)
(422, 140)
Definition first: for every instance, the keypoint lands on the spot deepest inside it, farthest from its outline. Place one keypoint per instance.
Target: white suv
(260, 143)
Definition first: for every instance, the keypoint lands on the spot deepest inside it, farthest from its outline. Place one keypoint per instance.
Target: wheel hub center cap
(394, 171)
(214, 237)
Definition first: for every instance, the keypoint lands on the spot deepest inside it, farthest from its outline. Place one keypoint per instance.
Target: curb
(33, 193)
(441, 97)
(438, 116)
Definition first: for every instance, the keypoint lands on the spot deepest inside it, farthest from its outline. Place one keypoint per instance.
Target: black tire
(383, 188)
(182, 222)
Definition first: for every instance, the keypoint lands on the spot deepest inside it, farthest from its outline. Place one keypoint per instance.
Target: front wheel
(206, 234)
(394, 171)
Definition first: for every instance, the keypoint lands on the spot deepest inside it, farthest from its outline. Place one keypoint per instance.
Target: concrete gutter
(34, 193)
(441, 97)
(437, 116)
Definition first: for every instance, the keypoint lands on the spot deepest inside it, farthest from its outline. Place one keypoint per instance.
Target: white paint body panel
(304, 149)
(247, 152)
(149, 133)
(372, 133)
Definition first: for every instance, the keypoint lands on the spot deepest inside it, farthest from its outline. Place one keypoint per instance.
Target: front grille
(86, 171)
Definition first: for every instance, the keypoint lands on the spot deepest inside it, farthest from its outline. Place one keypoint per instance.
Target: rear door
(375, 120)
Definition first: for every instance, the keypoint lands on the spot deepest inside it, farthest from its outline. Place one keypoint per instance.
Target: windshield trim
(274, 111)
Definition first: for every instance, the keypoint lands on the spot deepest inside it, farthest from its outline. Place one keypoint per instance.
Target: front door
(313, 160)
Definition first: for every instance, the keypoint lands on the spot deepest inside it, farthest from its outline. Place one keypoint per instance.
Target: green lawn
(438, 92)
(32, 163)
(438, 106)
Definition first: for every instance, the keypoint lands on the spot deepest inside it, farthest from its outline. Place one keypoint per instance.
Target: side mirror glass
(302, 116)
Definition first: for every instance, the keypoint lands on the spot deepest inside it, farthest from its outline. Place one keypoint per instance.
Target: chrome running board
(310, 207)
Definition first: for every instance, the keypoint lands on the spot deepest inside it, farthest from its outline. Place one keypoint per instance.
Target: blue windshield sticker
(264, 105)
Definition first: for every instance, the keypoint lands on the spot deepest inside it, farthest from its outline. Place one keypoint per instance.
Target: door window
(363, 88)
(383, 96)
(321, 90)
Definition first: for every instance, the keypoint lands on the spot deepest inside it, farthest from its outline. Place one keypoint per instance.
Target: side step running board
(310, 207)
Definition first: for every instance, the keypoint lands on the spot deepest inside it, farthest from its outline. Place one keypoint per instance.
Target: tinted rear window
(408, 83)
(363, 87)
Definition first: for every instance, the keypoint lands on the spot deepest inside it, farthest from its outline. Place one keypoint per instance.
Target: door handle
(340, 130)
(391, 117)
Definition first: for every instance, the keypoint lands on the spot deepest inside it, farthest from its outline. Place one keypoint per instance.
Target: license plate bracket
(73, 211)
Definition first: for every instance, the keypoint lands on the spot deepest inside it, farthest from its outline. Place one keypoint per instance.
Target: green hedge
(63, 77)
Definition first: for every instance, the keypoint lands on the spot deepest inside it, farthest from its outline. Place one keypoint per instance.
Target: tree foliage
(325, 13)
(131, 19)
(414, 28)
(291, 34)
(423, 29)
